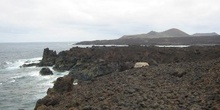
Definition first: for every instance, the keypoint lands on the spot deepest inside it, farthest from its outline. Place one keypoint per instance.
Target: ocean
(20, 88)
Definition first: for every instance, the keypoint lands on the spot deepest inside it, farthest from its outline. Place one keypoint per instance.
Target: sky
(80, 20)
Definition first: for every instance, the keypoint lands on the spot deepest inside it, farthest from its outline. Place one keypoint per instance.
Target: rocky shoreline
(176, 78)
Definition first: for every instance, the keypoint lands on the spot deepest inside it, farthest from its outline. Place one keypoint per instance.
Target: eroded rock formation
(46, 71)
(88, 63)
(49, 57)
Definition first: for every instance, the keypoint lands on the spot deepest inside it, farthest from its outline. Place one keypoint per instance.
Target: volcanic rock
(64, 62)
(143, 88)
(46, 71)
(63, 84)
(29, 65)
(177, 79)
(89, 63)
(49, 57)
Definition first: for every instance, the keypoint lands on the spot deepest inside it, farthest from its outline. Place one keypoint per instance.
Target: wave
(17, 77)
(12, 65)
(180, 46)
(33, 60)
(12, 81)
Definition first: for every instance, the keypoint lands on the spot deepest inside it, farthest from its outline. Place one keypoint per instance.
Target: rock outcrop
(46, 71)
(64, 62)
(29, 65)
(54, 95)
(88, 71)
(89, 63)
(49, 57)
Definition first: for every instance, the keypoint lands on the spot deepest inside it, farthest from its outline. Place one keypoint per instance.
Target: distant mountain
(153, 34)
(174, 33)
(169, 37)
(205, 34)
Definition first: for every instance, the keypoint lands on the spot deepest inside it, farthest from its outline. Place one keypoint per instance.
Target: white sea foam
(16, 77)
(33, 60)
(34, 73)
(14, 64)
(11, 65)
(12, 81)
(85, 46)
(180, 46)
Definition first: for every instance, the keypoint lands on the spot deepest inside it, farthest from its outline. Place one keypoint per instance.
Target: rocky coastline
(176, 78)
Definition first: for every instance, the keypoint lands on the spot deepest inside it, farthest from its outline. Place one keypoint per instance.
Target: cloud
(76, 20)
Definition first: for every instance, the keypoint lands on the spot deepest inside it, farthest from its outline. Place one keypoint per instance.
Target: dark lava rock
(88, 71)
(29, 65)
(46, 71)
(177, 79)
(49, 57)
(63, 84)
(123, 58)
(47, 102)
(54, 95)
(64, 62)
(178, 72)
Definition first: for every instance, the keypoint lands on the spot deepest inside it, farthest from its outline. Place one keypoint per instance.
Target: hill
(153, 34)
(169, 37)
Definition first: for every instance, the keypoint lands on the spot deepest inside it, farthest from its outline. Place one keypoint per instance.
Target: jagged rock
(43, 107)
(64, 63)
(88, 71)
(124, 56)
(29, 65)
(46, 71)
(49, 57)
(63, 84)
(47, 102)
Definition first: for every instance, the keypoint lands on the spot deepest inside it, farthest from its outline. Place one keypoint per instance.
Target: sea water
(20, 88)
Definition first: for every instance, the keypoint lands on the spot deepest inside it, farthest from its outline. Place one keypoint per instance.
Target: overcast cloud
(77, 20)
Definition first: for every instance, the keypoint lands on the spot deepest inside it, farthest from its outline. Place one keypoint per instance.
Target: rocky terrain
(168, 37)
(176, 78)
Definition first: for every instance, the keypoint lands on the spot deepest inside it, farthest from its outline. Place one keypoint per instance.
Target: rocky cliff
(177, 78)
(87, 63)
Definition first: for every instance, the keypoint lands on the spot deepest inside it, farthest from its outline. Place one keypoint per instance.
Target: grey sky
(77, 20)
